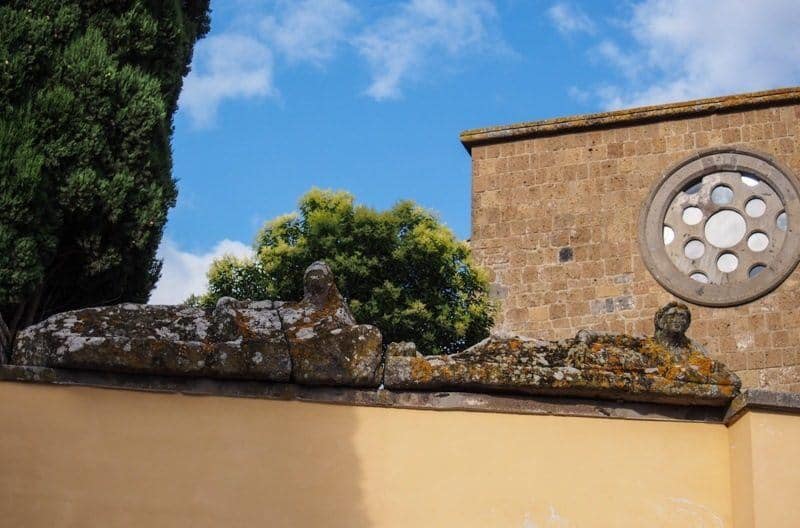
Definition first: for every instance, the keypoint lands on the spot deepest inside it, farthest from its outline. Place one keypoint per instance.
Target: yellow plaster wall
(93, 457)
(772, 472)
(741, 458)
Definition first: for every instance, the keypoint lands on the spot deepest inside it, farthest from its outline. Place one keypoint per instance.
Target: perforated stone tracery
(733, 227)
(718, 229)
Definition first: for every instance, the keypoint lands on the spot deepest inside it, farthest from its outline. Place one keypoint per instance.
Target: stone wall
(90, 456)
(82, 456)
(555, 220)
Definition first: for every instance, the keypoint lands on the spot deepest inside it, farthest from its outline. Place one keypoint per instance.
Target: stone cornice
(560, 125)
(748, 400)
(762, 400)
(366, 397)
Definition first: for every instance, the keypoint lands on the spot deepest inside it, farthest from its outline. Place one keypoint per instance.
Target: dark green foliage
(88, 89)
(400, 269)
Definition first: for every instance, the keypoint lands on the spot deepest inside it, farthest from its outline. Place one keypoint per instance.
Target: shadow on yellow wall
(159, 460)
(79, 456)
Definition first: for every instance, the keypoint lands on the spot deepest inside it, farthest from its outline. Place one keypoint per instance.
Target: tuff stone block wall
(555, 221)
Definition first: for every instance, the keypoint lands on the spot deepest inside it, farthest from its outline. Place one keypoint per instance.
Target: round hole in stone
(727, 262)
(722, 195)
(693, 187)
(758, 241)
(749, 180)
(694, 249)
(725, 228)
(699, 277)
(692, 215)
(755, 207)
(782, 222)
(669, 235)
(755, 270)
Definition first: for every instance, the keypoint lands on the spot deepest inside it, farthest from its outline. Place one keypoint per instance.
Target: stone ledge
(762, 400)
(531, 129)
(421, 400)
(748, 400)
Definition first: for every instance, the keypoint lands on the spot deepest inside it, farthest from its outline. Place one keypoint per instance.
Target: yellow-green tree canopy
(399, 269)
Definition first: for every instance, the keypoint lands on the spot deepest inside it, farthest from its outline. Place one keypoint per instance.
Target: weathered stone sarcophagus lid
(316, 341)
(667, 368)
(313, 341)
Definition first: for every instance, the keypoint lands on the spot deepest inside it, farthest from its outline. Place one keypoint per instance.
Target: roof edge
(558, 125)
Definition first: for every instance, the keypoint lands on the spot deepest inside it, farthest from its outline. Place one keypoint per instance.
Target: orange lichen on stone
(315, 340)
(421, 369)
(667, 369)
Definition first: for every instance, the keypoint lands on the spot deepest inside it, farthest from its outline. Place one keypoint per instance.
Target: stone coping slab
(531, 129)
(422, 400)
(748, 400)
(762, 400)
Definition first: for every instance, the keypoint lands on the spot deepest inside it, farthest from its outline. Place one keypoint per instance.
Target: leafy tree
(88, 89)
(400, 269)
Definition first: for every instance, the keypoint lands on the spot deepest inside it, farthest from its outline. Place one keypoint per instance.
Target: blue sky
(370, 96)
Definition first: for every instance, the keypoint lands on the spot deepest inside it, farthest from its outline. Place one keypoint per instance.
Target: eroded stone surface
(670, 369)
(237, 340)
(313, 341)
(326, 345)
(316, 341)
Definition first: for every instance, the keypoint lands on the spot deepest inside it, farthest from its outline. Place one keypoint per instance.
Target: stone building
(594, 221)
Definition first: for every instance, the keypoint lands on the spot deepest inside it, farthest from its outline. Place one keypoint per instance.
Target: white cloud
(404, 46)
(240, 64)
(628, 64)
(226, 66)
(418, 36)
(184, 273)
(309, 31)
(570, 19)
(686, 49)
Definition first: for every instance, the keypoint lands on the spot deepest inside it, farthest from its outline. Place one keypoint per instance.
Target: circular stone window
(719, 229)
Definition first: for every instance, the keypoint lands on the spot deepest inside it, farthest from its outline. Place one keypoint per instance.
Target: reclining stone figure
(316, 341)
(667, 368)
(313, 341)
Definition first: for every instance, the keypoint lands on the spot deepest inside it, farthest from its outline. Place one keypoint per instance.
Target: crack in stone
(285, 337)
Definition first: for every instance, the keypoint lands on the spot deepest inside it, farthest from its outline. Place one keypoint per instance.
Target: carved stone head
(671, 322)
(318, 283)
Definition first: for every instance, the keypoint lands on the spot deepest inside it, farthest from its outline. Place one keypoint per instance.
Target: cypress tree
(88, 90)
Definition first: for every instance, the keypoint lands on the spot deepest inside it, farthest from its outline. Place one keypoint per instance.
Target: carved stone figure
(312, 341)
(316, 341)
(327, 347)
(671, 323)
(666, 368)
